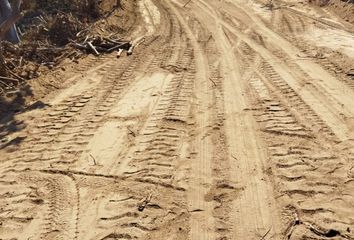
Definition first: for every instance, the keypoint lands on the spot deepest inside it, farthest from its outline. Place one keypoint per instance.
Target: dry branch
(97, 45)
(93, 48)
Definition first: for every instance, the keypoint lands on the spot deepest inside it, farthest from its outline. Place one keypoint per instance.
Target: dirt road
(231, 121)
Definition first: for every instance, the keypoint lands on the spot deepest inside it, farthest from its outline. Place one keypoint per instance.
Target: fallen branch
(93, 48)
(119, 53)
(94, 160)
(15, 75)
(9, 79)
(98, 45)
(5, 84)
(144, 203)
(213, 82)
(135, 44)
(80, 46)
(124, 45)
(131, 132)
(111, 41)
(264, 236)
(130, 50)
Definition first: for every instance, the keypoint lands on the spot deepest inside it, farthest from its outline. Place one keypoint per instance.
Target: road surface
(226, 123)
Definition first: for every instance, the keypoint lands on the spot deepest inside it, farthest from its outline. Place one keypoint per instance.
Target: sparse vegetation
(46, 29)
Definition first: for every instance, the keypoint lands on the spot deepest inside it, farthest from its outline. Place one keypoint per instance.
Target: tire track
(244, 150)
(202, 224)
(299, 164)
(322, 21)
(333, 62)
(153, 154)
(233, 143)
(322, 97)
(279, 122)
(56, 196)
(62, 137)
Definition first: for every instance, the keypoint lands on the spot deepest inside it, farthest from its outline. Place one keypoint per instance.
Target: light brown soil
(228, 122)
(343, 8)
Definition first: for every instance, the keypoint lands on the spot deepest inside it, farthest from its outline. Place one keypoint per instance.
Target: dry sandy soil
(231, 121)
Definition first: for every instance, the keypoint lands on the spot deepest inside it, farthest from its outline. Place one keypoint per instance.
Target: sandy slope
(227, 123)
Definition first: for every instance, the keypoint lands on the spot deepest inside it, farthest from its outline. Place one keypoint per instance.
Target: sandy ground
(231, 121)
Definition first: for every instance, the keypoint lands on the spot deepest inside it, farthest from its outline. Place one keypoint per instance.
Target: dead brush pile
(48, 30)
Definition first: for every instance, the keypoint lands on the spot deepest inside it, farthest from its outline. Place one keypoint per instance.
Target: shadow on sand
(11, 105)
